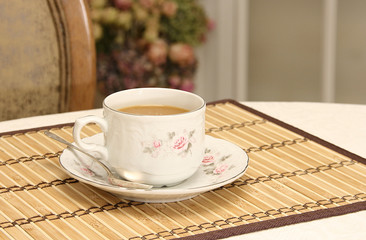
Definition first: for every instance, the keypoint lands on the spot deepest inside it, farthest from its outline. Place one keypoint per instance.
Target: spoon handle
(61, 140)
(111, 177)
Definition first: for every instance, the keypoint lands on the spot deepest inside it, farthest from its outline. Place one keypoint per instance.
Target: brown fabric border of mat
(279, 222)
(267, 224)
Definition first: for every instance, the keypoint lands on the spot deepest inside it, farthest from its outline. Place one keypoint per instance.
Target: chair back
(47, 57)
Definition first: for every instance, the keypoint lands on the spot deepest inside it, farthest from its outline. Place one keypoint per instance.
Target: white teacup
(161, 150)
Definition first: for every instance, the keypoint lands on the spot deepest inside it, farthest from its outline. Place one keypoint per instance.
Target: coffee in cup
(153, 110)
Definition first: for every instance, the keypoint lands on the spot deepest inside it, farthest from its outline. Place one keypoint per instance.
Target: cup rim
(155, 89)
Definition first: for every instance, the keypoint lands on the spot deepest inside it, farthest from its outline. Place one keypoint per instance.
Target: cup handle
(90, 147)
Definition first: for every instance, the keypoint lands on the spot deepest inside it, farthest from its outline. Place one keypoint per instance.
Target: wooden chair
(47, 57)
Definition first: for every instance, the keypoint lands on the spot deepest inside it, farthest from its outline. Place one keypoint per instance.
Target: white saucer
(224, 162)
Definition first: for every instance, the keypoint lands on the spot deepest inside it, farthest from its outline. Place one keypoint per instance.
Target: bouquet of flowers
(147, 43)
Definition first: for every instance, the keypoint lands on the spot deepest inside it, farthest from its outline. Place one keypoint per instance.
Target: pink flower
(211, 25)
(123, 4)
(220, 169)
(157, 143)
(180, 143)
(174, 81)
(208, 159)
(187, 85)
(129, 82)
(203, 38)
(157, 52)
(169, 8)
(147, 3)
(182, 54)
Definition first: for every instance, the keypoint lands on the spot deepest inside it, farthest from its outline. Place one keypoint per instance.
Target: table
(340, 124)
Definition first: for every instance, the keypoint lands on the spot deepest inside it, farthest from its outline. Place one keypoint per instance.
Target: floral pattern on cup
(215, 164)
(179, 144)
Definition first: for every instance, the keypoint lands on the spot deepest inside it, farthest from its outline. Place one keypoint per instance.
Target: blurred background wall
(285, 50)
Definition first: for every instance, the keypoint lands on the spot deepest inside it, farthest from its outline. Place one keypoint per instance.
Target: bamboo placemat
(292, 177)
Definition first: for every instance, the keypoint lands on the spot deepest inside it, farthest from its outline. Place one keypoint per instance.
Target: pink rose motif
(208, 159)
(157, 143)
(180, 143)
(220, 169)
(87, 171)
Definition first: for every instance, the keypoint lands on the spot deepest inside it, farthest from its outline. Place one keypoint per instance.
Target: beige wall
(351, 52)
(284, 51)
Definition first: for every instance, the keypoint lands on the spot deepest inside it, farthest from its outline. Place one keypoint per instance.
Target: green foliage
(189, 24)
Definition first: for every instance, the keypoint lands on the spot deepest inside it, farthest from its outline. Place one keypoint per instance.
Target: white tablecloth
(341, 124)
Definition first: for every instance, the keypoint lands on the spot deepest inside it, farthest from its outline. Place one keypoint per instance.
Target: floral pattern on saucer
(224, 162)
(215, 164)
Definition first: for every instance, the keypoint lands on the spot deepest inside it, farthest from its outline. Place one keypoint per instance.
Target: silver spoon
(112, 179)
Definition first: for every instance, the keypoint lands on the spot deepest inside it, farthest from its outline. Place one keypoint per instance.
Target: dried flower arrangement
(147, 43)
